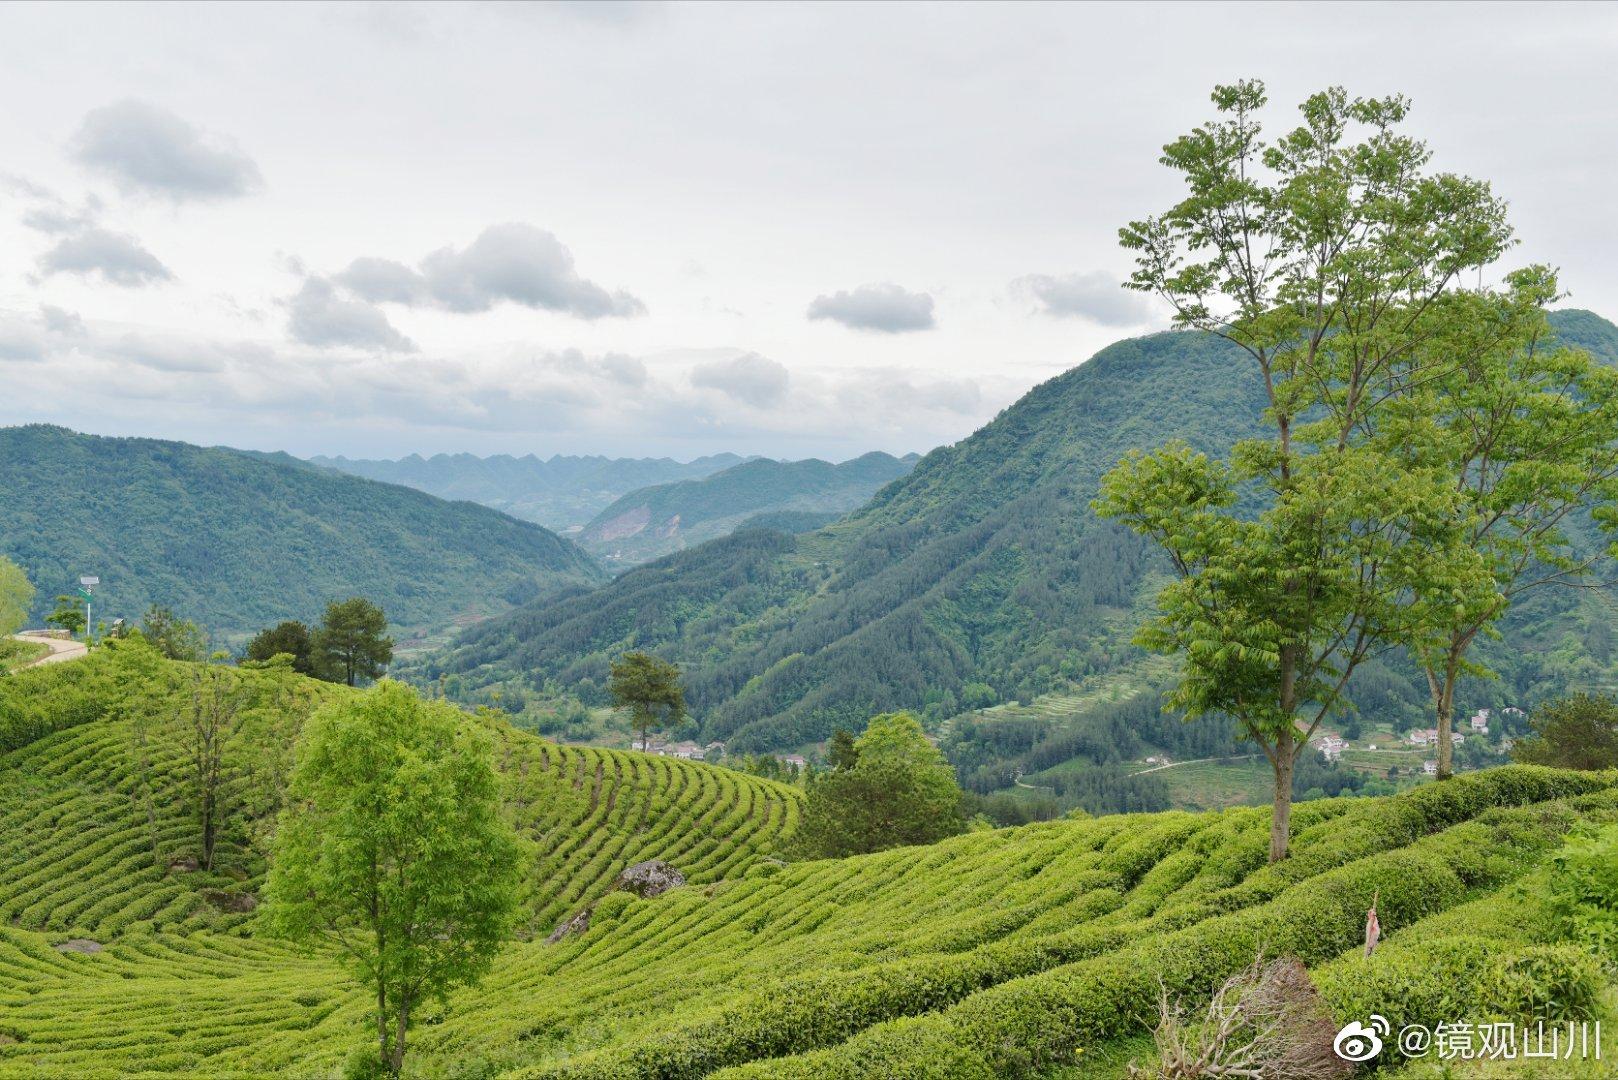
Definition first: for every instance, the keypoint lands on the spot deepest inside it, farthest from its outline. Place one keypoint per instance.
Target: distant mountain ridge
(239, 540)
(983, 566)
(655, 521)
(560, 492)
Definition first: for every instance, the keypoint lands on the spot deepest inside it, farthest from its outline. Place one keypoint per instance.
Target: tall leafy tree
(217, 704)
(352, 643)
(291, 638)
(69, 614)
(174, 637)
(1578, 732)
(1322, 257)
(897, 789)
(841, 753)
(393, 852)
(1531, 432)
(650, 689)
(16, 594)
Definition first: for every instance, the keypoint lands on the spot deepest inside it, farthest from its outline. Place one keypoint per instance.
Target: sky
(638, 229)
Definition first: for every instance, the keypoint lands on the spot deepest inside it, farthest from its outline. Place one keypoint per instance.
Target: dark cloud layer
(886, 309)
(148, 150)
(117, 257)
(514, 263)
(1096, 296)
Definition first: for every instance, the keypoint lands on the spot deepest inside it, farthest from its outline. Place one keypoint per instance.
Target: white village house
(688, 751)
(1331, 747)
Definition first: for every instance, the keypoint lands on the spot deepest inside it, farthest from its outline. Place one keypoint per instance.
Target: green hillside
(238, 541)
(85, 856)
(1033, 952)
(560, 492)
(983, 566)
(655, 521)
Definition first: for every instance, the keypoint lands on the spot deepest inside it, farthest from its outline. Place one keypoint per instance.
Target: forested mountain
(984, 566)
(558, 492)
(655, 521)
(237, 541)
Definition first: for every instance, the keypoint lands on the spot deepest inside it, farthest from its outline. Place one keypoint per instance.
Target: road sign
(89, 579)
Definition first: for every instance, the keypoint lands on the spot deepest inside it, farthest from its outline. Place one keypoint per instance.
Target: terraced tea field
(1028, 952)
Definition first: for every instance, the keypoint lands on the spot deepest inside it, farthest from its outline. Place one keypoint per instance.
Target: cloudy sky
(638, 229)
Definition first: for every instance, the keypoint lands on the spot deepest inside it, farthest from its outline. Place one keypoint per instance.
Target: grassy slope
(237, 541)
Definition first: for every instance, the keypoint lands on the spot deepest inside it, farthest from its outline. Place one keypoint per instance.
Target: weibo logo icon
(1358, 1042)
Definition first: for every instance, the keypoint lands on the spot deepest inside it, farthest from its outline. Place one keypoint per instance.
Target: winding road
(60, 650)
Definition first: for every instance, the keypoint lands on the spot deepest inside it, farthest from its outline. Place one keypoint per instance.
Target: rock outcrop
(654, 877)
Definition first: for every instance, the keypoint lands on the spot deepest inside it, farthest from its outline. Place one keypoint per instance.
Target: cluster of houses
(1331, 746)
(690, 751)
(1429, 737)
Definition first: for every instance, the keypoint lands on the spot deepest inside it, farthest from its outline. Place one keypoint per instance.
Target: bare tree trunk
(1281, 813)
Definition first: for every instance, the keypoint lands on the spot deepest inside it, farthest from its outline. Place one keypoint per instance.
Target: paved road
(60, 650)
(1197, 761)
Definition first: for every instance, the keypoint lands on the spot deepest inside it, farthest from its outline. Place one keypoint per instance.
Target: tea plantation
(1037, 951)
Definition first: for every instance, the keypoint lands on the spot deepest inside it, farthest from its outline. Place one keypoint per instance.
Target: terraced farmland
(107, 926)
(999, 953)
(1027, 952)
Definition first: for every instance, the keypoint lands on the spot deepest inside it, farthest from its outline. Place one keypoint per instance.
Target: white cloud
(1096, 296)
(515, 263)
(319, 317)
(751, 378)
(887, 309)
(117, 258)
(145, 149)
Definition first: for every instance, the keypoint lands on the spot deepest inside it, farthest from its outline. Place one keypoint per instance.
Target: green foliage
(1584, 892)
(352, 644)
(174, 637)
(1331, 259)
(69, 614)
(238, 541)
(290, 638)
(393, 849)
(842, 752)
(1529, 430)
(898, 789)
(650, 689)
(16, 596)
(656, 521)
(1577, 732)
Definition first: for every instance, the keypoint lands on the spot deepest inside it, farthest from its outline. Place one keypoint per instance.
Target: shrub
(1584, 891)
